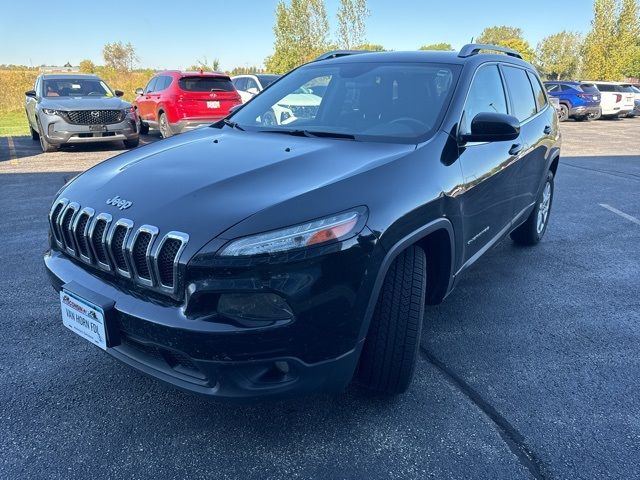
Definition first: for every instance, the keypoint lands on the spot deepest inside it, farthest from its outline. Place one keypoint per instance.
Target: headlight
(128, 110)
(49, 111)
(316, 232)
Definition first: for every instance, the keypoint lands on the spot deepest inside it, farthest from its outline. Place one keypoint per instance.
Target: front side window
(486, 94)
(520, 92)
(76, 87)
(538, 93)
(151, 85)
(552, 87)
(400, 102)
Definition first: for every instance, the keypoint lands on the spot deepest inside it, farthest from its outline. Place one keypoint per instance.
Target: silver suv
(65, 109)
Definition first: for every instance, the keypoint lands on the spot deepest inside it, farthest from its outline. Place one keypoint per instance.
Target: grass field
(13, 124)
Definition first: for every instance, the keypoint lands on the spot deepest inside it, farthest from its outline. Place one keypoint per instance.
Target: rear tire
(389, 355)
(534, 227)
(563, 113)
(163, 125)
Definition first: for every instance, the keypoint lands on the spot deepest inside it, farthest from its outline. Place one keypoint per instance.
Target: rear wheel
(563, 113)
(534, 227)
(131, 143)
(389, 355)
(163, 124)
(595, 115)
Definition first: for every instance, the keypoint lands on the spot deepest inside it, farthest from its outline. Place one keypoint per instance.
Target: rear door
(206, 96)
(489, 176)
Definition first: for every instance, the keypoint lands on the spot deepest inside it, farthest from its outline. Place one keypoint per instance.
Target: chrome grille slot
(140, 254)
(54, 219)
(80, 233)
(167, 256)
(65, 222)
(98, 239)
(117, 245)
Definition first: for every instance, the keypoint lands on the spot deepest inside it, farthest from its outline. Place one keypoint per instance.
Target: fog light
(254, 307)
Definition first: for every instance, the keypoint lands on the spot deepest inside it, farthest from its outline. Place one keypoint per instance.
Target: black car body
(150, 237)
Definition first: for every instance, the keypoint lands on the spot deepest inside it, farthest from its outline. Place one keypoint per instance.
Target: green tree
(245, 70)
(609, 47)
(119, 56)
(632, 69)
(205, 66)
(301, 34)
(352, 17)
(437, 46)
(558, 55)
(87, 66)
(510, 37)
(373, 47)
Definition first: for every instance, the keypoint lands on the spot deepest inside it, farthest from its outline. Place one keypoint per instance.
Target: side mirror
(118, 93)
(30, 93)
(253, 91)
(235, 108)
(492, 127)
(139, 91)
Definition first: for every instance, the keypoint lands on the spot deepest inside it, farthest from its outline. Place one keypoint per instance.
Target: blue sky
(174, 34)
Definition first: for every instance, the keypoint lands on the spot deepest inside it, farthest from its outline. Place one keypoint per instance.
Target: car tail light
(618, 97)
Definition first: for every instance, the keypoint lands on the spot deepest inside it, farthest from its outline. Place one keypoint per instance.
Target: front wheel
(34, 134)
(389, 354)
(143, 128)
(534, 227)
(46, 146)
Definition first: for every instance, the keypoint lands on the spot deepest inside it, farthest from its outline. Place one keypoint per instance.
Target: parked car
(578, 100)
(175, 101)
(615, 101)
(266, 261)
(248, 86)
(302, 103)
(635, 90)
(72, 109)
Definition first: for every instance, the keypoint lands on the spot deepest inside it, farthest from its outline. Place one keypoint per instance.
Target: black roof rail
(474, 49)
(339, 53)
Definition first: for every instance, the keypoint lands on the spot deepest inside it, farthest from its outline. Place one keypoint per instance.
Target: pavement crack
(509, 434)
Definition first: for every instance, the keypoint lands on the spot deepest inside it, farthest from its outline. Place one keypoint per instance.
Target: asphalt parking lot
(530, 369)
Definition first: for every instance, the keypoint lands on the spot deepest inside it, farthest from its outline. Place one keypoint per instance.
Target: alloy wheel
(543, 209)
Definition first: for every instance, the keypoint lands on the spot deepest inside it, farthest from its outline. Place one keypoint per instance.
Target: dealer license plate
(97, 128)
(83, 318)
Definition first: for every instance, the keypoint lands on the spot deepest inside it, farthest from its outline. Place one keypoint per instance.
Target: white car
(303, 103)
(616, 102)
(635, 89)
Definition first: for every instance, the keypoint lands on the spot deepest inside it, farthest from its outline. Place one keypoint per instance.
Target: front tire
(534, 227)
(389, 354)
(163, 125)
(143, 128)
(34, 134)
(46, 146)
(131, 143)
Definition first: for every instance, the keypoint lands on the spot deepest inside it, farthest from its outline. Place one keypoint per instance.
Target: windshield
(267, 80)
(402, 102)
(76, 87)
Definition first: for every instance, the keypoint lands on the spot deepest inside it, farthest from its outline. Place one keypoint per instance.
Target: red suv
(174, 101)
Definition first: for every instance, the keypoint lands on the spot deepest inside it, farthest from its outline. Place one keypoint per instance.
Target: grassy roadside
(13, 124)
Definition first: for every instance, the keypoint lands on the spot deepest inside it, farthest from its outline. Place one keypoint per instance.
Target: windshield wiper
(232, 124)
(313, 133)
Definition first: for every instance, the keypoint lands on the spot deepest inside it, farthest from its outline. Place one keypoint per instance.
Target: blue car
(577, 100)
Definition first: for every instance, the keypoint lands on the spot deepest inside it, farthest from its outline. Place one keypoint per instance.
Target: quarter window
(538, 93)
(520, 92)
(485, 95)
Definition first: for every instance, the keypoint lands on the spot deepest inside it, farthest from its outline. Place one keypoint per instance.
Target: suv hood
(205, 181)
(84, 103)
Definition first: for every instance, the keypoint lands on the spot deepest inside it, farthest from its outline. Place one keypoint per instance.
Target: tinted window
(538, 93)
(566, 88)
(485, 95)
(240, 83)
(607, 87)
(251, 83)
(520, 92)
(206, 84)
(398, 102)
(163, 83)
(588, 88)
(552, 87)
(267, 80)
(151, 85)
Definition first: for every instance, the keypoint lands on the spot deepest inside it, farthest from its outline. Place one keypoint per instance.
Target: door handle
(515, 149)
(547, 130)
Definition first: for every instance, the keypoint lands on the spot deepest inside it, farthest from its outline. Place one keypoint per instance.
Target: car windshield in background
(402, 102)
(267, 80)
(206, 84)
(588, 88)
(76, 87)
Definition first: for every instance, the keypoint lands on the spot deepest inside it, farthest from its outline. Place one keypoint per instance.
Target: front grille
(166, 260)
(117, 243)
(102, 243)
(95, 117)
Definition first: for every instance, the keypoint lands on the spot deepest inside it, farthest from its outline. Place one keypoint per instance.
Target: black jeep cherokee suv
(263, 258)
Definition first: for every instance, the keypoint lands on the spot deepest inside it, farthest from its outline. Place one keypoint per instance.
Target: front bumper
(58, 132)
(317, 351)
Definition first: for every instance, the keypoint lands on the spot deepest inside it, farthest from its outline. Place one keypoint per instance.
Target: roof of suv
(179, 73)
(46, 76)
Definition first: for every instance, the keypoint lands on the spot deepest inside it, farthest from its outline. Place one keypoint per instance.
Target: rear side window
(520, 92)
(607, 87)
(538, 93)
(485, 95)
(206, 84)
(588, 88)
(240, 83)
